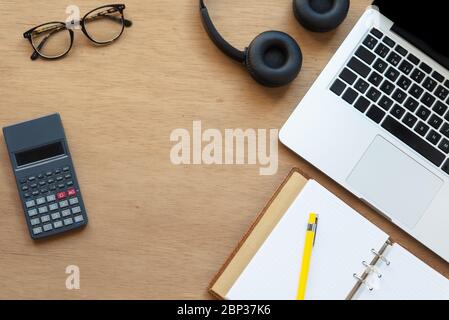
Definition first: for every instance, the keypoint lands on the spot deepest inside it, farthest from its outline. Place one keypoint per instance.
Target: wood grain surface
(157, 231)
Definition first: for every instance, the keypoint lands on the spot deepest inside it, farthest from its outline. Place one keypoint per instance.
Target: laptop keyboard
(400, 93)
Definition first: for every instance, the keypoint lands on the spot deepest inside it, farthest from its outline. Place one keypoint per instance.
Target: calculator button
(71, 192)
(48, 227)
(23, 180)
(57, 171)
(44, 190)
(76, 210)
(43, 209)
(61, 195)
(63, 204)
(27, 194)
(73, 201)
(61, 186)
(50, 181)
(32, 212)
(69, 183)
(55, 215)
(33, 185)
(25, 188)
(48, 173)
(67, 176)
(52, 187)
(79, 219)
(35, 221)
(57, 224)
(35, 193)
(51, 198)
(59, 178)
(45, 218)
(30, 203)
(53, 207)
(65, 169)
(32, 178)
(40, 201)
(40, 176)
(37, 230)
(42, 183)
(68, 221)
(65, 213)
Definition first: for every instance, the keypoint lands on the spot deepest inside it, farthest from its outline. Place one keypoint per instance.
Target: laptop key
(428, 99)
(361, 86)
(402, 51)
(350, 95)
(387, 87)
(416, 91)
(413, 141)
(385, 103)
(406, 67)
(435, 121)
(375, 114)
(445, 129)
(437, 76)
(445, 167)
(370, 41)
(359, 67)
(423, 113)
(439, 108)
(362, 104)
(382, 50)
(392, 74)
(433, 137)
(417, 75)
(444, 146)
(375, 78)
(397, 111)
(399, 95)
(442, 92)
(394, 58)
(348, 76)
(380, 65)
(404, 82)
(422, 128)
(425, 67)
(377, 33)
(365, 55)
(373, 94)
(389, 41)
(429, 84)
(411, 104)
(338, 87)
(413, 59)
(410, 120)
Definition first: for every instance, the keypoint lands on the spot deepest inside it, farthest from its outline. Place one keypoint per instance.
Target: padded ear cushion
(320, 15)
(273, 59)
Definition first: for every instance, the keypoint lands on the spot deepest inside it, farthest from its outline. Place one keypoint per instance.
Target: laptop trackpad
(394, 183)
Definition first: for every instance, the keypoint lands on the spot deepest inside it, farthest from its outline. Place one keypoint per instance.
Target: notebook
(352, 258)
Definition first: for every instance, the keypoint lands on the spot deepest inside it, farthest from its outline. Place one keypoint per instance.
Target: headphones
(273, 58)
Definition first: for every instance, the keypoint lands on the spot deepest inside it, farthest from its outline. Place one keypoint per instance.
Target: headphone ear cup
(273, 59)
(320, 15)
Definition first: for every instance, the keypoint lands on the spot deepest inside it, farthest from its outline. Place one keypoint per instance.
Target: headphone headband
(217, 39)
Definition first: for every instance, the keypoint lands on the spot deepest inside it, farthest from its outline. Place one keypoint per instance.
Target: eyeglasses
(53, 40)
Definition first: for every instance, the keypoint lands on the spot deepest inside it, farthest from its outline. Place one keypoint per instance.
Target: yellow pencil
(307, 255)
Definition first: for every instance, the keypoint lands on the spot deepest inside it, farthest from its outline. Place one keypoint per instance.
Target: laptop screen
(423, 23)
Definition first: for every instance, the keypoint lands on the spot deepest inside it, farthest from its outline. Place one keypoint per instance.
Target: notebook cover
(258, 233)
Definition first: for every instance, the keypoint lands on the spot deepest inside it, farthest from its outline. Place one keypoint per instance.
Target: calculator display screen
(38, 154)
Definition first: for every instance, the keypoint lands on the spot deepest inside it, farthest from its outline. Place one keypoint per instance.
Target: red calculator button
(71, 192)
(61, 195)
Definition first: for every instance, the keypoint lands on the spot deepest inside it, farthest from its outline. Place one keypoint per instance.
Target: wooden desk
(156, 230)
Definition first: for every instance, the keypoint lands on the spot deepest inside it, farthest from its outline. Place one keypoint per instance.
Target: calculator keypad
(51, 200)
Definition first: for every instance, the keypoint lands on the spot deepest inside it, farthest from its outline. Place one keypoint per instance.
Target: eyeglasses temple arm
(35, 55)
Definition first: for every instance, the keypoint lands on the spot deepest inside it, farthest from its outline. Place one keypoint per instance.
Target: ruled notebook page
(344, 239)
(406, 278)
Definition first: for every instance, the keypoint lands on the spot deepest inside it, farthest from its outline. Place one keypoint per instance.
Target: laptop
(377, 118)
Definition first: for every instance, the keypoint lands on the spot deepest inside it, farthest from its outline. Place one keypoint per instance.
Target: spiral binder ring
(363, 281)
(372, 269)
(381, 257)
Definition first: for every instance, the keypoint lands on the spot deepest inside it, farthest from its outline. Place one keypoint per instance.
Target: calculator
(45, 176)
